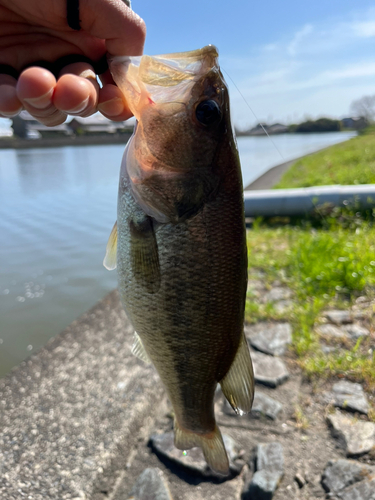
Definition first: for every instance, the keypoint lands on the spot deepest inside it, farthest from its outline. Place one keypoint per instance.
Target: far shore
(83, 140)
(265, 181)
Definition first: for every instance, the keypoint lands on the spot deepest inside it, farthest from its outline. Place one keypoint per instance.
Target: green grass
(327, 261)
(324, 268)
(355, 366)
(317, 264)
(351, 162)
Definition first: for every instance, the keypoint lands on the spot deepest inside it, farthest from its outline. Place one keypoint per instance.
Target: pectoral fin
(144, 253)
(110, 259)
(138, 349)
(238, 383)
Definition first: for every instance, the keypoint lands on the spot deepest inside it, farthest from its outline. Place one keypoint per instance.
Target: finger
(35, 88)
(112, 103)
(77, 90)
(122, 29)
(10, 105)
(106, 78)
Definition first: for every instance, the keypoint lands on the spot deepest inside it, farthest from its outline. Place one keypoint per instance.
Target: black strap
(72, 14)
(99, 66)
(5, 69)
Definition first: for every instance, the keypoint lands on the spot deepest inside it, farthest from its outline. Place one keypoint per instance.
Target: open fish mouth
(179, 101)
(161, 79)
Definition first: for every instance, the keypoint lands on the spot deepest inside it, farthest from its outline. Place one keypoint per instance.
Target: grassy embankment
(327, 261)
(351, 162)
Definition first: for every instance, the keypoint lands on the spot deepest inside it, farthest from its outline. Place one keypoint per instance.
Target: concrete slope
(71, 413)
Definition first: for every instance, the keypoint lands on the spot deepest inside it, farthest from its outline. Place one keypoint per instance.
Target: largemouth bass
(179, 243)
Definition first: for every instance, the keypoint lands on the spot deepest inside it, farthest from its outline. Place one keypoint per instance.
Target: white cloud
(270, 47)
(298, 39)
(355, 70)
(317, 70)
(365, 29)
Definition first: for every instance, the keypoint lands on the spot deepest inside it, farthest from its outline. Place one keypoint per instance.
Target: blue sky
(291, 59)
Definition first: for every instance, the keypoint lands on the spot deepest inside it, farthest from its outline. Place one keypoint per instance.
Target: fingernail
(9, 102)
(78, 109)
(113, 107)
(40, 102)
(10, 114)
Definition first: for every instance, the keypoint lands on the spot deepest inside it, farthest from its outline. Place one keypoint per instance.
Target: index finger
(122, 29)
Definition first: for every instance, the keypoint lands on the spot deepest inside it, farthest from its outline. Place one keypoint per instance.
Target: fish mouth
(163, 79)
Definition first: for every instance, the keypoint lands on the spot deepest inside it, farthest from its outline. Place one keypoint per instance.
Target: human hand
(34, 30)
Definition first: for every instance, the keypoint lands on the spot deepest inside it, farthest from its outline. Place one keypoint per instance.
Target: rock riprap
(356, 331)
(331, 331)
(268, 370)
(255, 287)
(351, 331)
(349, 480)
(270, 457)
(349, 396)
(263, 405)
(269, 471)
(270, 338)
(339, 317)
(150, 485)
(356, 436)
(193, 459)
(277, 293)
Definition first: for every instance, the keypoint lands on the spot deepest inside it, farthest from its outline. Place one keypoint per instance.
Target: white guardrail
(299, 201)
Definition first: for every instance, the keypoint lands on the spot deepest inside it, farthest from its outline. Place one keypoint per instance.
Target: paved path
(271, 177)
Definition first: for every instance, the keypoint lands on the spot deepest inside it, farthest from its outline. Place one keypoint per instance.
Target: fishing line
(257, 119)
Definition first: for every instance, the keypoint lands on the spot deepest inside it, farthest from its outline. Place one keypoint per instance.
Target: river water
(57, 208)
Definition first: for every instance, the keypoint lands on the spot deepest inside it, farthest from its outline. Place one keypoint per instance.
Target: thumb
(117, 24)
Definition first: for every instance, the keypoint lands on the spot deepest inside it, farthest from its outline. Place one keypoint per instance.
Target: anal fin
(138, 349)
(211, 444)
(238, 383)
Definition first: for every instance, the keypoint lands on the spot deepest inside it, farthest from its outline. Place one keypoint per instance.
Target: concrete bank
(57, 142)
(70, 414)
(270, 177)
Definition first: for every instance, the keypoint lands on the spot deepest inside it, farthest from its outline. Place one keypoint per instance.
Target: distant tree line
(320, 125)
(364, 107)
(309, 126)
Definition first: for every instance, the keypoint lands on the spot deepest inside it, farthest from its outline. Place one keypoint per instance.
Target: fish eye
(208, 112)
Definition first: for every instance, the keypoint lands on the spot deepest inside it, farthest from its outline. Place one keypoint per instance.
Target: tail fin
(211, 444)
